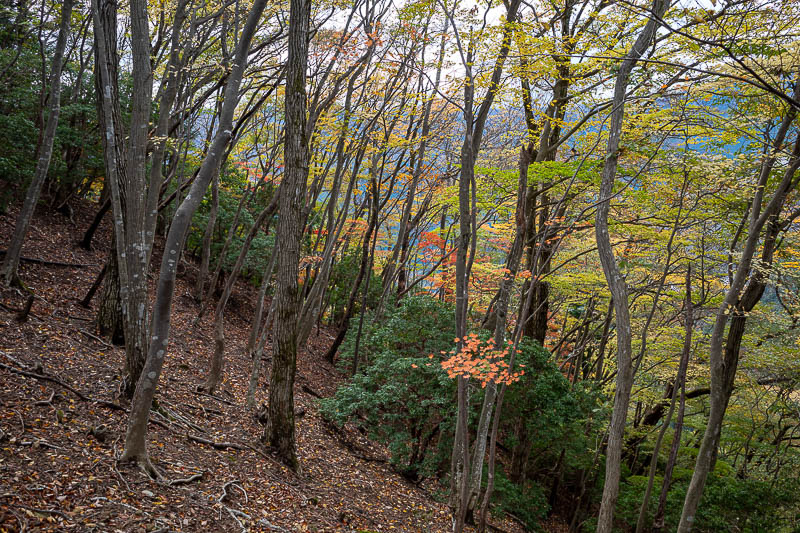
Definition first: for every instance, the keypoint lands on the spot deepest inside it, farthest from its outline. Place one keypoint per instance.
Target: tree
(136, 435)
(280, 430)
(617, 284)
(8, 269)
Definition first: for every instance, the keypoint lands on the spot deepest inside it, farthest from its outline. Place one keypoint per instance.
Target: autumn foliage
(481, 360)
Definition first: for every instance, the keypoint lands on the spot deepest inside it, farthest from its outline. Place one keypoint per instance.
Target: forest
(408, 265)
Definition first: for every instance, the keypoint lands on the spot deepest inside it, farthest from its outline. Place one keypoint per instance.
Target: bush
(403, 397)
(527, 502)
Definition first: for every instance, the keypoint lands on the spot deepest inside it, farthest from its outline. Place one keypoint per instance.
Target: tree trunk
(205, 254)
(616, 282)
(280, 430)
(460, 476)
(136, 435)
(109, 312)
(8, 270)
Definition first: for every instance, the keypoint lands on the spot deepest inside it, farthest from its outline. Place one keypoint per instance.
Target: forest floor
(58, 446)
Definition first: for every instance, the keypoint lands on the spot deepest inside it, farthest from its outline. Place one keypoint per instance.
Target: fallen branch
(44, 377)
(186, 480)
(53, 379)
(96, 338)
(216, 445)
(223, 400)
(48, 262)
(309, 390)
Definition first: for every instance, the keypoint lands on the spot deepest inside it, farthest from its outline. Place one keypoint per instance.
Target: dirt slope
(55, 475)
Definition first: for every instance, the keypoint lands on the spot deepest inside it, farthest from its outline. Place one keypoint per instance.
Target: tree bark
(280, 430)
(109, 312)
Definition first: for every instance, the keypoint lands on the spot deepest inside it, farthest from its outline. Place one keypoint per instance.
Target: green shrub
(527, 502)
(403, 397)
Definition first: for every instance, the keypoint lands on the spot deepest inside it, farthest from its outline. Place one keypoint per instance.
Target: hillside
(61, 431)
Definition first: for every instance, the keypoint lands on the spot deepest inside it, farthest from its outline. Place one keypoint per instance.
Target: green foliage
(343, 275)
(555, 412)
(23, 101)
(729, 503)
(527, 502)
(232, 187)
(17, 162)
(402, 397)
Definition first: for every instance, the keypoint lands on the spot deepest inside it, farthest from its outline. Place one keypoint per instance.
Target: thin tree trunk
(8, 270)
(680, 380)
(501, 311)
(86, 242)
(658, 520)
(616, 282)
(215, 372)
(370, 252)
(460, 477)
(255, 354)
(208, 235)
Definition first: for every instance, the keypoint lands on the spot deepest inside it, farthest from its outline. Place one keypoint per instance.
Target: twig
(23, 524)
(131, 507)
(48, 401)
(96, 338)
(44, 511)
(116, 470)
(40, 442)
